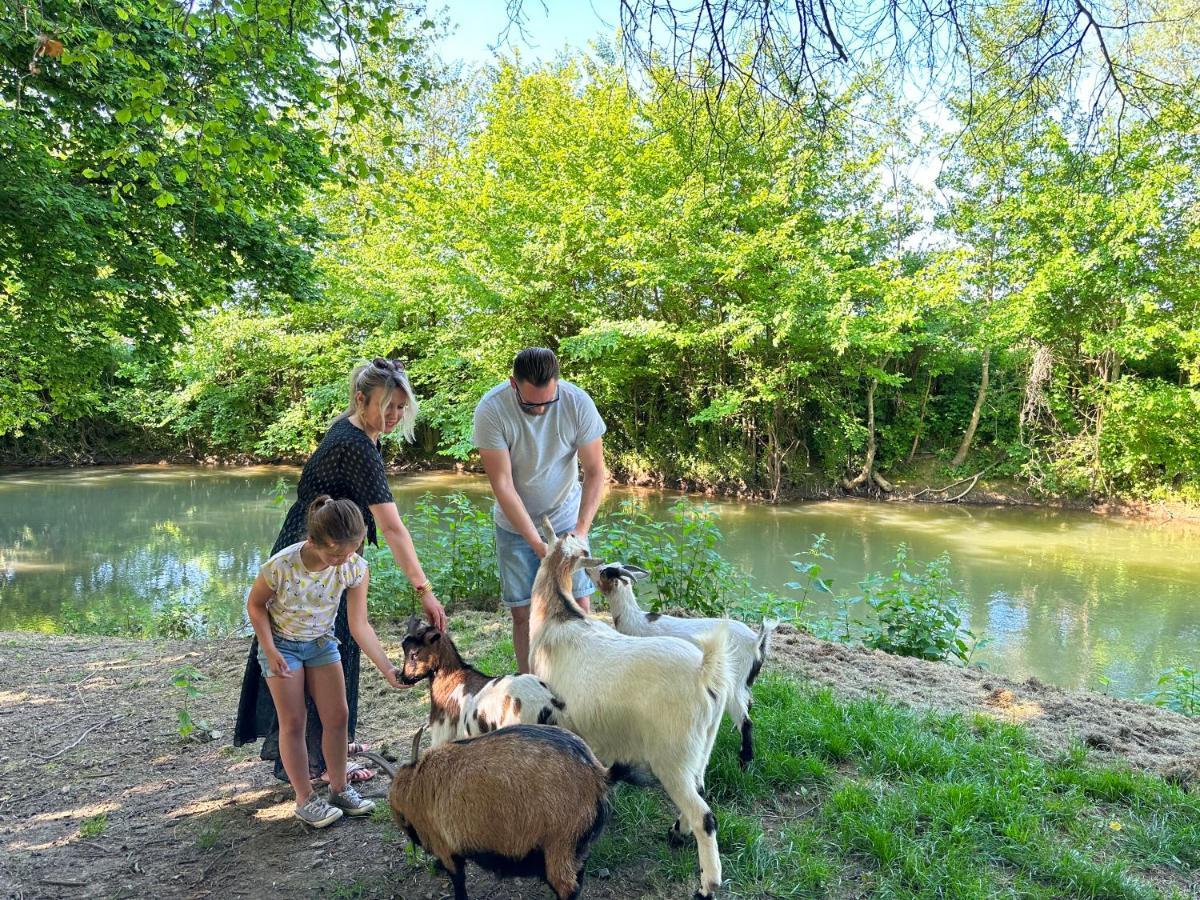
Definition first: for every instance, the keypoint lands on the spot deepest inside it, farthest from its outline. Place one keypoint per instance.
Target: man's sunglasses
(525, 404)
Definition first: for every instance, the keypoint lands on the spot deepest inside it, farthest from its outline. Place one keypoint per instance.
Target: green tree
(155, 160)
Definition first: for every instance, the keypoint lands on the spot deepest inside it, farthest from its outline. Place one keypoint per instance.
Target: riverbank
(101, 797)
(920, 483)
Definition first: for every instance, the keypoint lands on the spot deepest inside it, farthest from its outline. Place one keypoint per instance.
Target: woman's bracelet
(422, 588)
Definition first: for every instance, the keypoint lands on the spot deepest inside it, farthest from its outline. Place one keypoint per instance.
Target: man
(533, 433)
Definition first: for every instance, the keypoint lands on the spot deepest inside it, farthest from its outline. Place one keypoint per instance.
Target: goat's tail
(761, 648)
(714, 668)
(386, 764)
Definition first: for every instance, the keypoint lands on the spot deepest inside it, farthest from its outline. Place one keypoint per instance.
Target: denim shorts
(310, 654)
(518, 566)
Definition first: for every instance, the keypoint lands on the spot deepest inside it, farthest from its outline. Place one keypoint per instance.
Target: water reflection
(1068, 597)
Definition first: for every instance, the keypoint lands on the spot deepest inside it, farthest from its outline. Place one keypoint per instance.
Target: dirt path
(182, 819)
(89, 731)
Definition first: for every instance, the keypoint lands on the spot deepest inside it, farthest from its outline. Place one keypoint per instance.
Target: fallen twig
(54, 728)
(972, 478)
(970, 487)
(77, 740)
(62, 882)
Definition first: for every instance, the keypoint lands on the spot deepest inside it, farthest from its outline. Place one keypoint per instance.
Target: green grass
(863, 798)
(210, 835)
(93, 826)
(905, 804)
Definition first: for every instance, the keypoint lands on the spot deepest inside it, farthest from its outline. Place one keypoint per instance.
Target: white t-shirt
(544, 450)
(305, 603)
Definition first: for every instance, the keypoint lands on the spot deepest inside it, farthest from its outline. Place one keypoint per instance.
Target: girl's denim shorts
(308, 654)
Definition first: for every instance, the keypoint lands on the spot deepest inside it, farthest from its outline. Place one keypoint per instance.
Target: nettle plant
(680, 552)
(917, 612)
(1178, 688)
(458, 551)
(189, 682)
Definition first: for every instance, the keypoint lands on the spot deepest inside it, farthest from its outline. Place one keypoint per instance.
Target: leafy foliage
(917, 613)
(681, 553)
(156, 163)
(458, 552)
(1178, 689)
(189, 682)
(228, 219)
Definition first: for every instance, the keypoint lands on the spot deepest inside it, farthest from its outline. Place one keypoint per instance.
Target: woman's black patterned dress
(346, 465)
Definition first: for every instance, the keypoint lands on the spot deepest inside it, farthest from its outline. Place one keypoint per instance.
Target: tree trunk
(868, 475)
(965, 447)
(920, 420)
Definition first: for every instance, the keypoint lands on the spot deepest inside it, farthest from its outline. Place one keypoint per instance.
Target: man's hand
(542, 549)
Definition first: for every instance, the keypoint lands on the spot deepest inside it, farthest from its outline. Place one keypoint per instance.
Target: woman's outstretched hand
(434, 611)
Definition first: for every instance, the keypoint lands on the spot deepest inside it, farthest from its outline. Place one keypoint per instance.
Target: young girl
(292, 607)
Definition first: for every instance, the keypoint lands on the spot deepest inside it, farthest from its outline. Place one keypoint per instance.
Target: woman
(346, 465)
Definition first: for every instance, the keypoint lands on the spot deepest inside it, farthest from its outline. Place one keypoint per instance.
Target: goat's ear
(551, 537)
(430, 635)
(588, 563)
(637, 573)
(416, 745)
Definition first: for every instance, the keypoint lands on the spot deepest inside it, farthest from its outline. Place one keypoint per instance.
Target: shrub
(1178, 689)
(681, 555)
(456, 542)
(917, 612)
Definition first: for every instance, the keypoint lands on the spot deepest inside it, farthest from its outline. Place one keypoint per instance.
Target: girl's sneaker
(351, 802)
(317, 812)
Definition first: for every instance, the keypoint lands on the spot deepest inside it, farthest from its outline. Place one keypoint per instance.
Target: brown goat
(526, 800)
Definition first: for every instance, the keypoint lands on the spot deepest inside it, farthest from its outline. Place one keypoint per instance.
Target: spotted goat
(653, 702)
(458, 802)
(464, 702)
(747, 649)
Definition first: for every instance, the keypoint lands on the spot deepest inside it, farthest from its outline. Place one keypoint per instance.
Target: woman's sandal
(355, 772)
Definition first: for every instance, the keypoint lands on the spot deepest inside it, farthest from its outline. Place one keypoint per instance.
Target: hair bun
(320, 501)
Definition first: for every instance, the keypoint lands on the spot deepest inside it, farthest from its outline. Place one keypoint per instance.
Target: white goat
(747, 650)
(652, 702)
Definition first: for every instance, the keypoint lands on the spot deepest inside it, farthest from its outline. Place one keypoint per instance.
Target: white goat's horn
(551, 537)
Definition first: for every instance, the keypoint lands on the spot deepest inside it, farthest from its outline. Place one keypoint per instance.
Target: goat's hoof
(700, 895)
(676, 838)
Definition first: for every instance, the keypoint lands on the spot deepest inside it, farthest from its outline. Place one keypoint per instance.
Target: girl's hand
(434, 611)
(278, 664)
(392, 674)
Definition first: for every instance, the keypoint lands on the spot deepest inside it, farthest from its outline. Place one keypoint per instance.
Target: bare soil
(1148, 737)
(89, 729)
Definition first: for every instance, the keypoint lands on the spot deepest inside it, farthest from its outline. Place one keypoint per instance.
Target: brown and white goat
(525, 800)
(651, 702)
(463, 701)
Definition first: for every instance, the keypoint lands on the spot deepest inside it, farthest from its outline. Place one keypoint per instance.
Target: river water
(1070, 597)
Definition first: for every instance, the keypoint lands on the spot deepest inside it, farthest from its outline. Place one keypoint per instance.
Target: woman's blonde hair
(385, 376)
